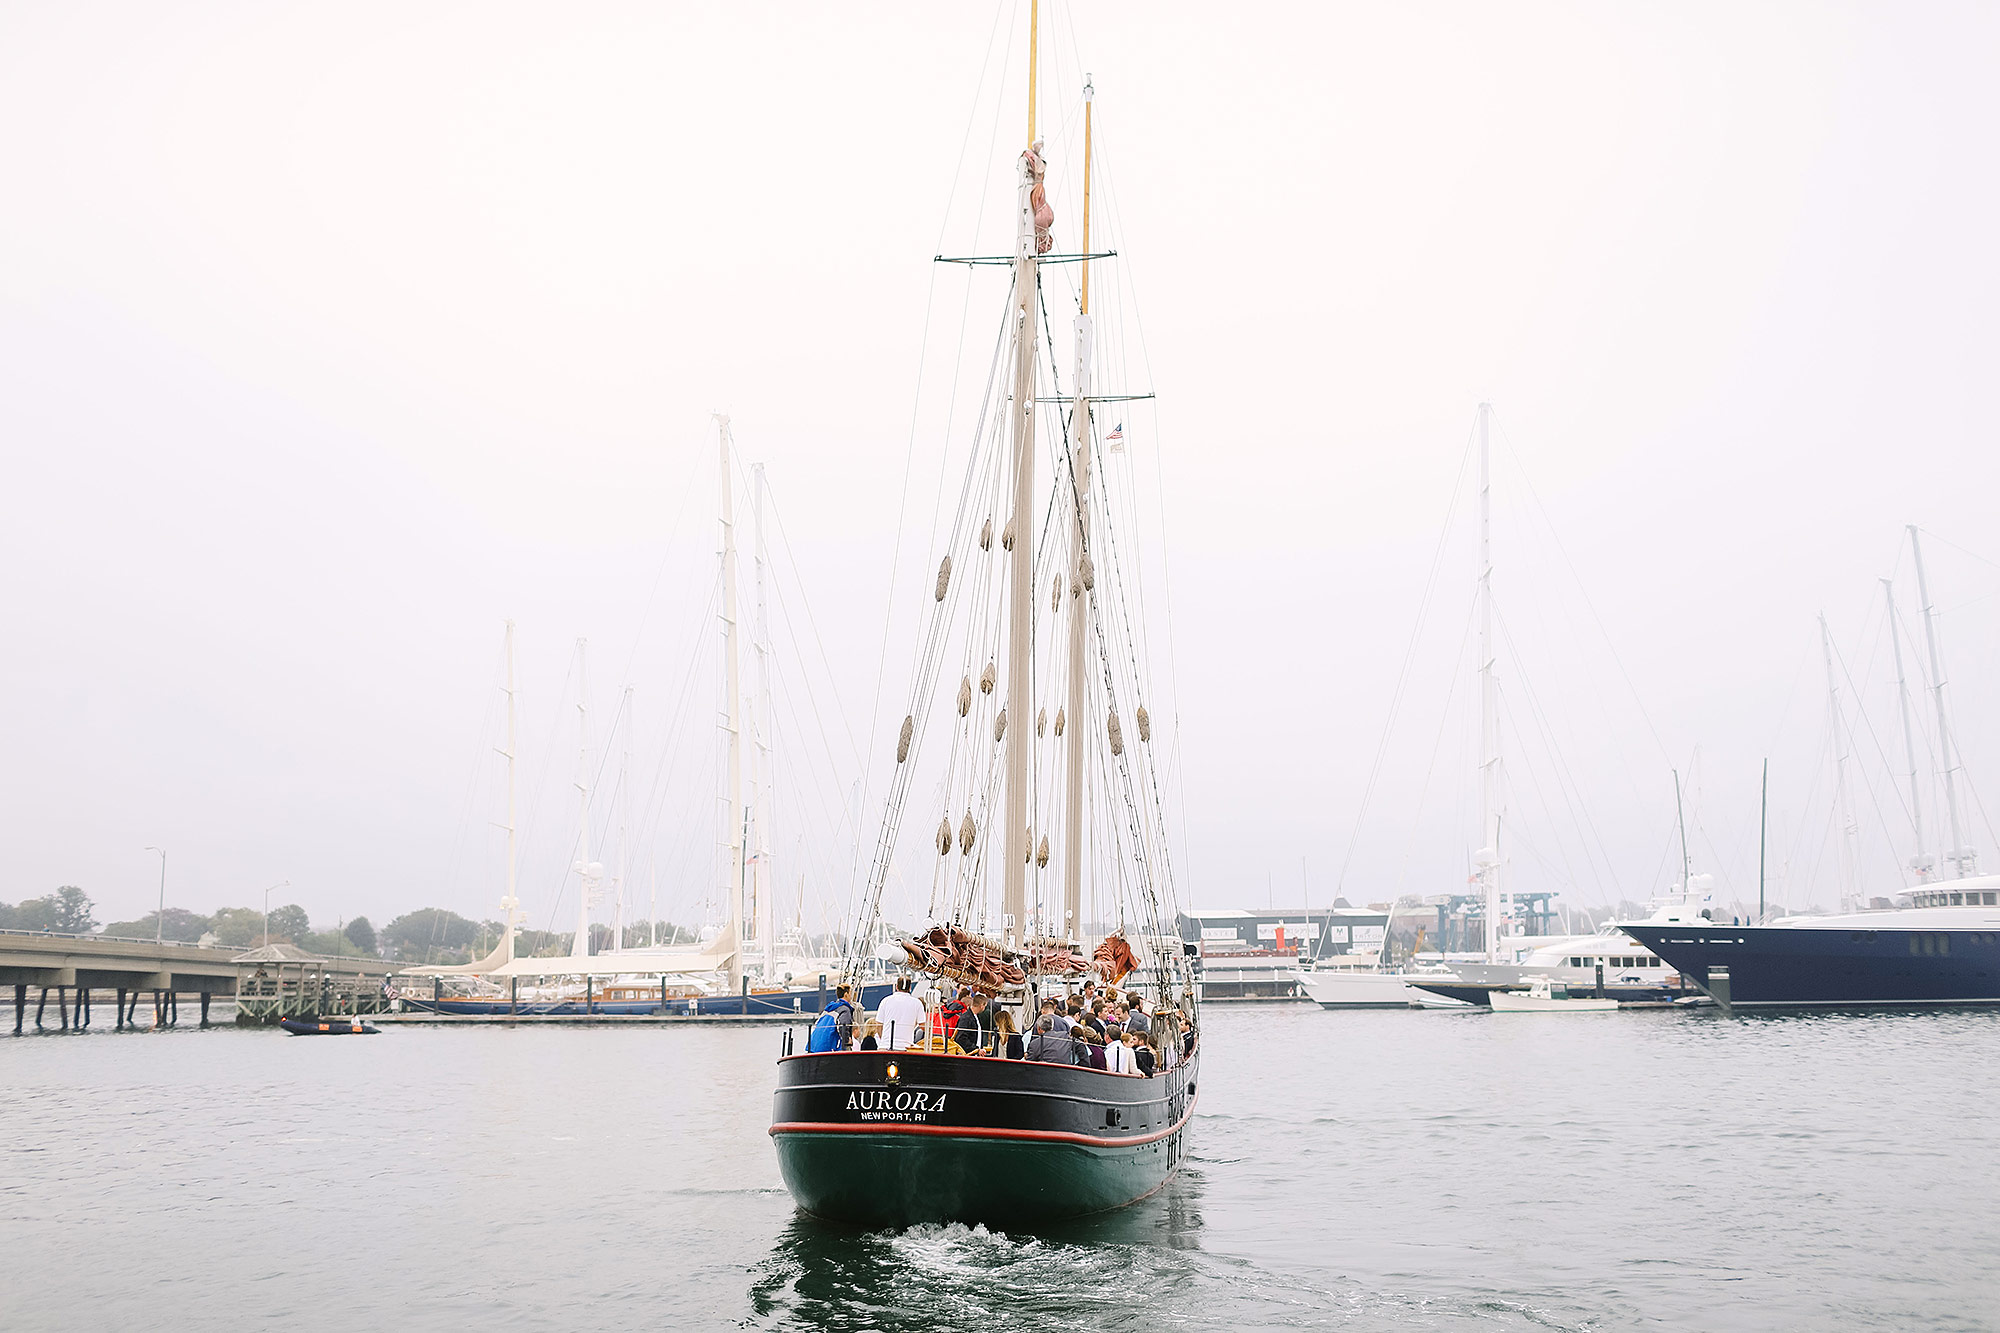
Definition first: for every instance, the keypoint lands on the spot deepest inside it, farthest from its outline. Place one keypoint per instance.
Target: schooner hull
(887, 1139)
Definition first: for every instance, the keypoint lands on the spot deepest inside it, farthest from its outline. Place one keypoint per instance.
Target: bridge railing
(112, 939)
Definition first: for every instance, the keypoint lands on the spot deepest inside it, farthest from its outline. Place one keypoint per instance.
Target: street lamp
(283, 884)
(160, 917)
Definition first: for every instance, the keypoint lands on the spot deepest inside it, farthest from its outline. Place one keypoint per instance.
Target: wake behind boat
(1043, 617)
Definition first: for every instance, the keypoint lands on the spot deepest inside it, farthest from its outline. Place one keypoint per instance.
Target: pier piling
(41, 1004)
(204, 1008)
(20, 1006)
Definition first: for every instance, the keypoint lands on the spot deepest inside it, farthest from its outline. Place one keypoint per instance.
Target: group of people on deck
(1095, 1028)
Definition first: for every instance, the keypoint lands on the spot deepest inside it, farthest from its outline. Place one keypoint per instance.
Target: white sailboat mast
(1843, 807)
(1961, 858)
(1921, 861)
(1020, 612)
(624, 822)
(510, 905)
(586, 869)
(762, 718)
(1079, 604)
(733, 687)
(1489, 703)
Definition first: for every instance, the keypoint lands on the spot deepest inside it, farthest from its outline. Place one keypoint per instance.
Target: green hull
(900, 1179)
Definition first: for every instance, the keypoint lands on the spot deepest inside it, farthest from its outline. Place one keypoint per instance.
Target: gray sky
(331, 337)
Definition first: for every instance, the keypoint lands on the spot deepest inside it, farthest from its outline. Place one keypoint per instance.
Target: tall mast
(587, 870)
(1034, 61)
(1020, 591)
(1843, 808)
(624, 821)
(762, 716)
(733, 688)
(1961, 858)
(1680, 817)
(510, 904)
(1763, 831)
(1489, 701)
(1079, 605)
(1921, 861)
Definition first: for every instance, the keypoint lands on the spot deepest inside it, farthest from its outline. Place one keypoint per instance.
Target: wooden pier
(279, 981)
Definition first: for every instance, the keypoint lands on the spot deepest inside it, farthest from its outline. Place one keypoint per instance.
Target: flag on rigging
(1117, 438)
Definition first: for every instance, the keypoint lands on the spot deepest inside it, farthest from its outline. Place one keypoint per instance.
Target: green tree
(539, 944)
(67, 911)
(329, 944)
(360, 934)
(289, 922)
(35, 914)
(73, 910)
(423, 936)
(179, 924)
(238, 927)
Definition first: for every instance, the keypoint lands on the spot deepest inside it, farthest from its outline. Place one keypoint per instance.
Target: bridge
(75, 966)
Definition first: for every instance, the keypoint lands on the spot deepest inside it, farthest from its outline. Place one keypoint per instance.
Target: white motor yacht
(1546, 997)
(1359, 981)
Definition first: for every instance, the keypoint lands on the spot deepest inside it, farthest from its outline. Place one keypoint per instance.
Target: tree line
(427, 935)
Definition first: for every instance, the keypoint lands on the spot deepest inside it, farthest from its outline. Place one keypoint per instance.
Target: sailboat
(617, 982)
(1037, 614)
(736, 969)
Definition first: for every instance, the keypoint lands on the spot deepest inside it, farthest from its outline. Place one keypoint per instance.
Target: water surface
(1405, 1170)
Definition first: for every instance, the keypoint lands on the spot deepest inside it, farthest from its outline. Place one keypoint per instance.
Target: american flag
(1117, 437)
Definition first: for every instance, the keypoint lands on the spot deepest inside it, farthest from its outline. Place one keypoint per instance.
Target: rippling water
(1423, 1170)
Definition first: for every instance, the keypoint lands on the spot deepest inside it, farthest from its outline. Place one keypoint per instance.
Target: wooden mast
(1014, 856)
(1079, 604)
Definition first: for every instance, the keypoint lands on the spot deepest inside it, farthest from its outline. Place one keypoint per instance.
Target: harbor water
(1421, 1170)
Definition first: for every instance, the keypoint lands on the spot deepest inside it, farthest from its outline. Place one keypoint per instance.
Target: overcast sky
(331, 337)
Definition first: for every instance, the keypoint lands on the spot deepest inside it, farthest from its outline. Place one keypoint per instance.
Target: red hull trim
(964, 1132)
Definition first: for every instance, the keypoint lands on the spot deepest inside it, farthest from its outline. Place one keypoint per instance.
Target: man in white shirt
(901, 1015)
(1118, 1059)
